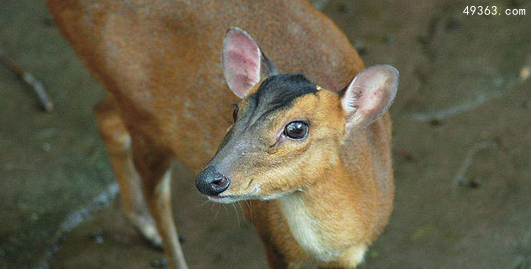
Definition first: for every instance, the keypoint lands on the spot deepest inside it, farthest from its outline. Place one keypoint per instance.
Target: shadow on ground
(462, 150)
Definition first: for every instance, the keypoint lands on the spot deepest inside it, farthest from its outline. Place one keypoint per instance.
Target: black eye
(296, 130)
(235, 112)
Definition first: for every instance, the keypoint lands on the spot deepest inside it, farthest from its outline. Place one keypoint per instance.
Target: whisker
(237, 215)
(213, 205)
(203, 203)
(249, 206)
(217, 212)
(225, 207)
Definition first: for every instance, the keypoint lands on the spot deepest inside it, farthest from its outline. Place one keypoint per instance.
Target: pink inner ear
(241, 62)
(370, 94)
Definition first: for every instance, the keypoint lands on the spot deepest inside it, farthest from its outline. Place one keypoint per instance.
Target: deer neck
(307, 213)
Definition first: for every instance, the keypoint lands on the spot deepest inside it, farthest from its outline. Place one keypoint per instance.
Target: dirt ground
(462, 148)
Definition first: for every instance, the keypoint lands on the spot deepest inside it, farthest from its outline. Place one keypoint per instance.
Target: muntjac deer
(314, 163)
(314, 160)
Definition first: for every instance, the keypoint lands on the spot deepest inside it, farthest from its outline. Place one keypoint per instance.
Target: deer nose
(211, 182)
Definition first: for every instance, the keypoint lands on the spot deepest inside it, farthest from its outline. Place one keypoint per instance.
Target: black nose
(210, 182)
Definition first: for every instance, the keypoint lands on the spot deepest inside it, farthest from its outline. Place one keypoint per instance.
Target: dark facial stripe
(276, 92)
(279, 91)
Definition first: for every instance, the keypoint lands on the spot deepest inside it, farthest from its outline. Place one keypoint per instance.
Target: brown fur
(160, 62)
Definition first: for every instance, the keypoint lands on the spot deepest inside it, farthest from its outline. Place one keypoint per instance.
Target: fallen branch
(28, 78)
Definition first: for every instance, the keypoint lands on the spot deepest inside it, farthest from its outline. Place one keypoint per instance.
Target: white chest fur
(305, 228)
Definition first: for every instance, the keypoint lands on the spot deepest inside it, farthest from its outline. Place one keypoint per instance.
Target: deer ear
(244, 64)
(369, 95)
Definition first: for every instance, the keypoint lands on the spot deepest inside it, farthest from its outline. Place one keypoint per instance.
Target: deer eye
(296, 130)
(235, 112)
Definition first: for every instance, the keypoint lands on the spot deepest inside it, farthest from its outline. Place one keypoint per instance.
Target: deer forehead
(291, 94)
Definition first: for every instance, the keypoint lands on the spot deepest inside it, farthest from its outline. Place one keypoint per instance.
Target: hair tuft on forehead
(281, 90)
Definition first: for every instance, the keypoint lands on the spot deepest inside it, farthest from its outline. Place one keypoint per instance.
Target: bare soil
(462, 148)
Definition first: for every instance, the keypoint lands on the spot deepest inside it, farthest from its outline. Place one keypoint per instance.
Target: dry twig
(35, 84)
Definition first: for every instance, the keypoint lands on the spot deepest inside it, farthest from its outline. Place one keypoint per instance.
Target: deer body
(160, 63)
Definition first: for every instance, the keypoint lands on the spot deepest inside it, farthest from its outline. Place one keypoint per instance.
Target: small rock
(46, 147)
(435, 122)
(345, 8)
(372, 254)
(97, 235)
(524, 73)
(516, 3)
(389, 38)
(159, 263)
(470, 183)
(409, 158)
(424, 39)
(453, 25)
(182, 239)
(124, 239)
(362, 50)
(48, 22)
(473, 184)
(406, 155)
